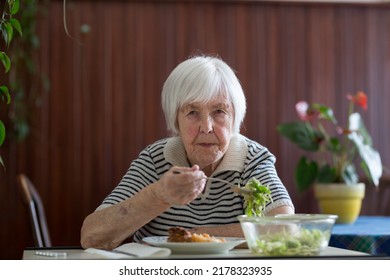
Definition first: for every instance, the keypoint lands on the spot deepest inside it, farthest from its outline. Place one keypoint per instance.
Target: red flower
(360, 98)
(305, 113)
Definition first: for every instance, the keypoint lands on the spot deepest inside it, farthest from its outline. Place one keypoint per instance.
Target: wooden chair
(36, 211)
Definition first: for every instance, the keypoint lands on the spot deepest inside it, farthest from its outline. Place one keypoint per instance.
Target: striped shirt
(218, 205)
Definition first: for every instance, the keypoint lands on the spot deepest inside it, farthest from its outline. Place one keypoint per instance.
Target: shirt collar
(233, 160)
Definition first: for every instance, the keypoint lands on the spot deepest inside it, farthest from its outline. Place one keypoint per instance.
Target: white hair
(200, 79)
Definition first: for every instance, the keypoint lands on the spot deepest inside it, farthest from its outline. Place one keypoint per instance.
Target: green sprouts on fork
(256, 198)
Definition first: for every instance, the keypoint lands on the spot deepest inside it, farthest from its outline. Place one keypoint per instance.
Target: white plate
(194, 247)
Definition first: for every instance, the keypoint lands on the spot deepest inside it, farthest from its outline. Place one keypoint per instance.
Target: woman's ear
(177, 133)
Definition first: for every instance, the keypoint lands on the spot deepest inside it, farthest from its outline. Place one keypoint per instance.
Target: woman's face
(206, 129)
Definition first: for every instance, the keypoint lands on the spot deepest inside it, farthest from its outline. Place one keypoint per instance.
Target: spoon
(232, 186)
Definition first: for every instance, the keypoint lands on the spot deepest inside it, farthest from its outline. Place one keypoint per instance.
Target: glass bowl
(287, 234)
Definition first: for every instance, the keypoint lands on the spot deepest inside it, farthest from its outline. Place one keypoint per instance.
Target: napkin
(131, 250)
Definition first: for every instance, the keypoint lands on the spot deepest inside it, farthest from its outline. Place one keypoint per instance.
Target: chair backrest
(36, 210)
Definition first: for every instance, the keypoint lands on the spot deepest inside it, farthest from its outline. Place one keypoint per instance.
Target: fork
(232, 186)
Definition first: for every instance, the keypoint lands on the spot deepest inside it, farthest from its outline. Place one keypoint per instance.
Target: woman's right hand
(180, 185)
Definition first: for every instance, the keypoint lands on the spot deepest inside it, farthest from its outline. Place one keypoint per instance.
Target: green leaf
(16, 24)
(9, 33)
(305, 173)
(6, 61)
(3, 32)
(325, 112)
(15, 7)
(327, 174)
(302, 134)
(2, 133)
(366, 171)
(4, 93)
(334, 145)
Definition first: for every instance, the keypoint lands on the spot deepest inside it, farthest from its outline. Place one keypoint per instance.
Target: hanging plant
(26, 78)
(8, 25)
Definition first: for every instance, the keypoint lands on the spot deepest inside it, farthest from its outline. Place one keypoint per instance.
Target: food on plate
(204, 237)
(179, 234)
(256, 197)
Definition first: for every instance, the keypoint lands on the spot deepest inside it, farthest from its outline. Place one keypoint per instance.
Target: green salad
(276, 241)
(306, 242)
(256, 197)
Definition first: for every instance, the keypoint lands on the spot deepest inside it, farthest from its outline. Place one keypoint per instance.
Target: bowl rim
(298, 217)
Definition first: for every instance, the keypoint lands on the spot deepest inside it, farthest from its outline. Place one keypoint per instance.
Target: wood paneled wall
(104, 103)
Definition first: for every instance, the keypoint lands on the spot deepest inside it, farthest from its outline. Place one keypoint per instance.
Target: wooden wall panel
(104, 103)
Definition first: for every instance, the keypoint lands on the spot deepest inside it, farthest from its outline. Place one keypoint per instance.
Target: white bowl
(287, 234)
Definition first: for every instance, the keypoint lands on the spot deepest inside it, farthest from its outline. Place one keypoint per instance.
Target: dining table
(368, 234)
(76, 262)
(64, 253)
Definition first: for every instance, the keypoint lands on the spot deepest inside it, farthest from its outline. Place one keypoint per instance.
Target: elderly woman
(166, 186)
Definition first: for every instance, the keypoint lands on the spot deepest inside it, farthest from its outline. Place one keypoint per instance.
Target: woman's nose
(206, 124)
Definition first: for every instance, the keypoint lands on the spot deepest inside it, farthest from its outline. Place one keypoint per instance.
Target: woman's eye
(220, 111)
(192, 113)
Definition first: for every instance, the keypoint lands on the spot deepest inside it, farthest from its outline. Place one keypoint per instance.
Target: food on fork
(179, 234)
(256, 198)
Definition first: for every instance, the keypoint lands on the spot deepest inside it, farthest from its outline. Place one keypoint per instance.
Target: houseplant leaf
(305, 173)
(15, 7)
(4, 94)
(349, 175)
(325, 112)
(302, 134)
(370, 157)
(356, 124)
(5, 61)
(9, 33)
(326, 174)
(334, 145)
(2, 132)
(16, 24)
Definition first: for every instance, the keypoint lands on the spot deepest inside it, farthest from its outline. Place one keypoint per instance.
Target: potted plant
(333, 150)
